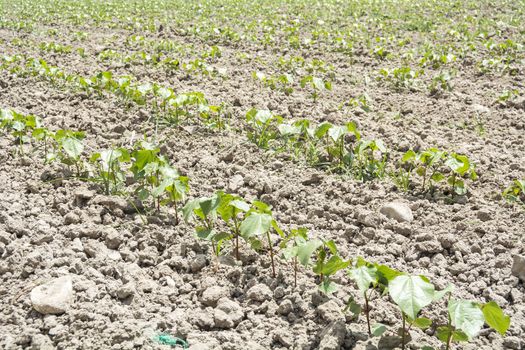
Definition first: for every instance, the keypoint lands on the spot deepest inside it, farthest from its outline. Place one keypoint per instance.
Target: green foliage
(328, 263)
(515, 192)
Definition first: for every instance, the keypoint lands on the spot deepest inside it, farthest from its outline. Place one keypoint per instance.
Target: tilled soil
(133, 280)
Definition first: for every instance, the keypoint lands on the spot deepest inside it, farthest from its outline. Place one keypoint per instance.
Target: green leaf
(495, 317)
(466, 316)
(441, 293)
(327, 286)
(188, 209)
(305, 251)
(334, 264)
(378, 329)
(386, 274)
(255, 224)
(364, 276)
(411, 294)
(72, 147)
(422, 322)
(353, 307)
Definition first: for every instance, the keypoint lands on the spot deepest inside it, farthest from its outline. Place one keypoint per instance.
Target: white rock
(53, 297)
(236, 182)
(518, 267)
(260, 292)
(211, 295)
(397, 211)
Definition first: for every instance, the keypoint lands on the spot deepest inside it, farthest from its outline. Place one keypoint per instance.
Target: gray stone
(397, 211)
(113, 238)
(126, 291)
(518, 267)
(198, 263)
(285, 307)
(54, 297)
(330, 311)
(232, 309)
(333, 336)
(235, 182)
(260, 292)
(212, 294)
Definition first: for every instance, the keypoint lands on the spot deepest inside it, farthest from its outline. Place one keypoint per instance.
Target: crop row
(143, 175)
(335, 148)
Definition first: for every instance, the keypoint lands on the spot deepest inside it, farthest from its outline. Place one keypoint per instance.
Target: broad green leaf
(255, 224)
(422, 322)
(327, 286)
(411, 294)
(495, 317)
(72, 147)
(305, 251)
(466, 316)
(334, 264)
(364, 276)
(441, 293)
(353, 307)
(378, 329)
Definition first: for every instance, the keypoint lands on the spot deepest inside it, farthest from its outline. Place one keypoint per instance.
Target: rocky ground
(81, 270)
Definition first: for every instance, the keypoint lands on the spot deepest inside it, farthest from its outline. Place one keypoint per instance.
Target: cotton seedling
(316, 84)
(399, 78)
(426, 164)
(69, 148)
(411, 294)
(372, 281)
(369, 159)
(108, 164)
(262, 126)
(259, 222)
(171, 188)
(232, 210)
(441, 83)
(515, 192)
(204, 210)
(334, 137)
(328, 263)
(466, 318)
(299, 248)
(460, 167)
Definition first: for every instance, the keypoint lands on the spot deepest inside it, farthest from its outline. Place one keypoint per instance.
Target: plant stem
(403, 334)
(236, 227)
(271, 252)
(367, 313)
(295, 271)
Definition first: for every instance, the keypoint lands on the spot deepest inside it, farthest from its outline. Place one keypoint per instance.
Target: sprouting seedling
(260, 123)
(299, 247)
(426, 164)
(371, 279)
(336, 146)
(70, 148)
(411, 294)
(43, 135)
(328, 262)
(173, 186)
(515, 192)
(145, 167)
(109, 170)
(204, 210)
(316, 84)
(460, 166)
(231, 209)
(258, 222)
(370, 157)
(466, 318)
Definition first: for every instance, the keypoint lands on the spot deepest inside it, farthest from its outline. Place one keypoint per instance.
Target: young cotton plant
(466, 318)
(68, 149)
(204, 211)
(262, 126)
(108, 168)
(299, 248)
(460, 167)
(515, 193)
(257, 226)
(371, 280)
(316, 84)
(328, 263)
